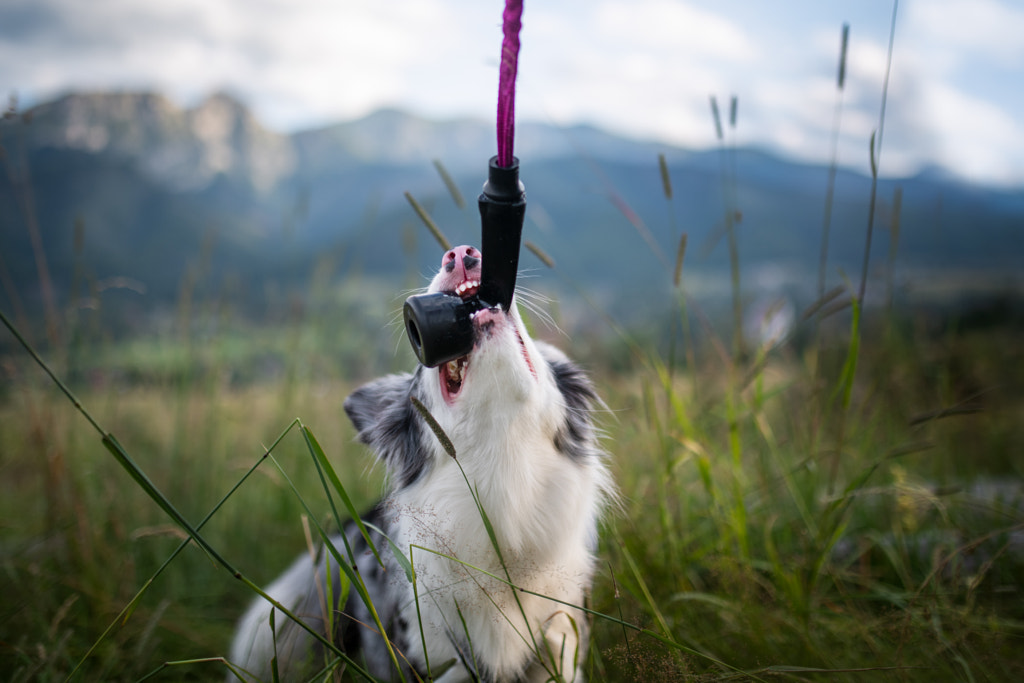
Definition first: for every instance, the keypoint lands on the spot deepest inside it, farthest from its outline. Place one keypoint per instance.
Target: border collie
(519, 415)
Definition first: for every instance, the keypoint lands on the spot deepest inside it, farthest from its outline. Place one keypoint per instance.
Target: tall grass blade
(21, 180)
(874, 158)
(348, 567)
(841, 78)
(876, 153)
(275, 674)
(834, 164)
(540, 254)
(241, 675)
(469, 638)
(825, 299)
(137, 474)
(717, 117)
(638, 224)
(731, 215)
(845, 386)
(894, 241)
(126, 612)
(652, 604)
(660, 637)
(449, 183)
(666, 180)
(400, 557)
(677, 275)
(442, 438)
(429, 222)
(324, 465)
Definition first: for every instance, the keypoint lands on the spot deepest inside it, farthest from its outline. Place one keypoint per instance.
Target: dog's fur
(521, 425)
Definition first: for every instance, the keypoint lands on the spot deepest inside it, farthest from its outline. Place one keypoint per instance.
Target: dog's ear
(366, 405)
(385, 419)
(575, 437)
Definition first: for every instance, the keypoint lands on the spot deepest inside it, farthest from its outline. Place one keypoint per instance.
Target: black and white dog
(519, 414)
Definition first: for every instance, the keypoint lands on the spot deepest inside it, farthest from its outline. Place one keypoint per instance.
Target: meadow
(845, 502)
(846, 505)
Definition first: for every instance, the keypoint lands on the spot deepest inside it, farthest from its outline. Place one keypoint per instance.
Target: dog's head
(507, 388)
(503, 357)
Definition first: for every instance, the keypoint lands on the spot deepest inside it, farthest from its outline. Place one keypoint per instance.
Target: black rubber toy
(439, 325)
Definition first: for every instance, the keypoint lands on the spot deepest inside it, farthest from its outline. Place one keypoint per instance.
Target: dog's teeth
(466, 286)
(455, 370)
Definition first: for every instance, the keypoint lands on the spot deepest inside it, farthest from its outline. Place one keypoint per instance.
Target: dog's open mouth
(453, 373)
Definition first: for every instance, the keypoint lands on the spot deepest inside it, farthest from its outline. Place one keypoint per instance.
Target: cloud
(672, 29)
(645, 68)
(326, 59)
(949, 100)
(972, 27)
(974, 138)
(966, 59)
(641, 67)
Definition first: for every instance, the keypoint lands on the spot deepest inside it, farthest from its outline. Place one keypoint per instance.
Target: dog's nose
(469, 256)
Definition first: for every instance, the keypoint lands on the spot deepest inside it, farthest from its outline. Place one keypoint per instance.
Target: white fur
(543, 506)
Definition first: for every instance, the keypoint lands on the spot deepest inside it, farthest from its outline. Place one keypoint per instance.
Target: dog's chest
(462, 581)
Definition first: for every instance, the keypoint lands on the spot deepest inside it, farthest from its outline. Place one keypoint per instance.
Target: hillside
(158, 191)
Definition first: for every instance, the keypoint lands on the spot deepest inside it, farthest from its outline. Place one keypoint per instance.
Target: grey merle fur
(388, 423)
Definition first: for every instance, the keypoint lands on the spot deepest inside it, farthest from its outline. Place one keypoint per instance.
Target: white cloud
(976, 138)
(643, 67)
(962, 27)
(328, 59)
(672, 29)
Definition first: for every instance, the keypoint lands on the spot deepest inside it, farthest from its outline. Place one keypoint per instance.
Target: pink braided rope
(512, 24)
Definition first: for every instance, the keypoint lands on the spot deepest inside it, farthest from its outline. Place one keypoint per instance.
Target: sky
(641, 68)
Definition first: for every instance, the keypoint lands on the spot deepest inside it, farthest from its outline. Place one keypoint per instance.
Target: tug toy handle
(439, 325)
(502, 210)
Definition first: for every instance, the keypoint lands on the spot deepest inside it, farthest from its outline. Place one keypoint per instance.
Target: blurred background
(206, 230)
(153, 141)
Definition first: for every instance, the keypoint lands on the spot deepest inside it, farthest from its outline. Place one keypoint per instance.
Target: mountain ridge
(153, 183)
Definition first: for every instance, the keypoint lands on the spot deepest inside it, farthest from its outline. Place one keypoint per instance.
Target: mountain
(160, 193)
(182, 149)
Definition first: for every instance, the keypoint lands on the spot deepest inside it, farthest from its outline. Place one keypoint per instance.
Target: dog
(519, 414)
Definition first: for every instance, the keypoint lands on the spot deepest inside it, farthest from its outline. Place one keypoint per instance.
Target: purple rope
(512, 23)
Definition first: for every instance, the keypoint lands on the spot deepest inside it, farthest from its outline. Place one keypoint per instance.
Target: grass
(845, 506)
(80, 538)
(753, 562)
(729, 545)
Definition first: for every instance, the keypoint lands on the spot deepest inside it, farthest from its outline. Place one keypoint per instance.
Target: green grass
(849, 506)
(737, 542)
(752, 561)
(80, 538)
